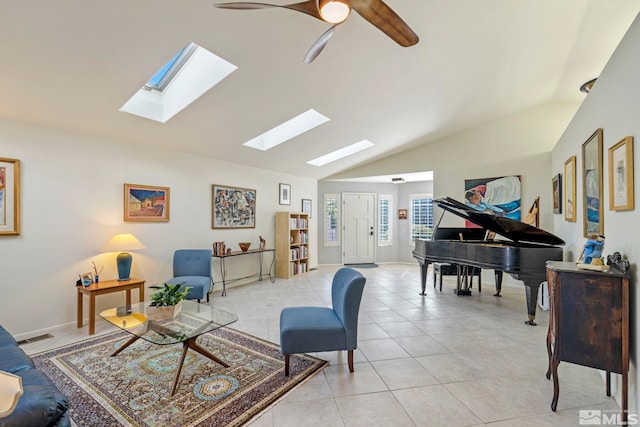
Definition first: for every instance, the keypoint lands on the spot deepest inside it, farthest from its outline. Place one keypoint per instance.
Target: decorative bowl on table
(244, 246)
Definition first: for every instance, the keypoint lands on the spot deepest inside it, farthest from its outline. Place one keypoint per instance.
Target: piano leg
(531, 291)
(424, 268)
(462, 288)
(498, 274)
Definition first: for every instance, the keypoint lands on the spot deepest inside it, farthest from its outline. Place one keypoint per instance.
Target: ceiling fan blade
(383, 17)
(309, 7)
(318, 45)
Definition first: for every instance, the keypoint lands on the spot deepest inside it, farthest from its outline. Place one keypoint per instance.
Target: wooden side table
(106, 287)
(588, 323)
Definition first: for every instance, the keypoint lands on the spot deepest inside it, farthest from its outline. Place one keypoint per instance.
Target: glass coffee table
(185, 327)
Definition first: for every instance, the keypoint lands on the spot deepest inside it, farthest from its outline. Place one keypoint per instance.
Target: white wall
(72, 204)
(614, 106)
(519, 144)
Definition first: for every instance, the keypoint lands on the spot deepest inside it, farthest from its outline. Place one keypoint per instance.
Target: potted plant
(166, 303)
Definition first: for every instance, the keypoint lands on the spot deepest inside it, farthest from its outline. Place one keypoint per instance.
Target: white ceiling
(72, 64)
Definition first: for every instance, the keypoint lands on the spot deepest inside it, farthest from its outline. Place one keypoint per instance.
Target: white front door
(358, 219)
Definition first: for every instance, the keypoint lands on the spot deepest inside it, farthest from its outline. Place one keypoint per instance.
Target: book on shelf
(297, 223)
(219, 248)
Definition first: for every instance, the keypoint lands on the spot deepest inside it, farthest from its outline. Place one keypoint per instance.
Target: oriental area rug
(133, 388)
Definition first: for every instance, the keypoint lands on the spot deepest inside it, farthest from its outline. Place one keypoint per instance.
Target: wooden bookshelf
(292, 244)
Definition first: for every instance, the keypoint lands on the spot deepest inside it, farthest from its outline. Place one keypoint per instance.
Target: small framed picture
(570, 189)
(402, 214)
(621, 175)
(86, 279)
(285, 194)
(146, 203)
(306, 206)
(9, 197)
(556, 188)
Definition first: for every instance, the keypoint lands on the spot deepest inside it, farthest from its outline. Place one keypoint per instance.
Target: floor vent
(34, 339)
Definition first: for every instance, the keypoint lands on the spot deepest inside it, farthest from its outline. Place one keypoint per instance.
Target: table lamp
(123, 243)
(10, 392)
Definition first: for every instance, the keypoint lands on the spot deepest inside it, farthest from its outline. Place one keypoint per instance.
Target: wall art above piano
(498, 195)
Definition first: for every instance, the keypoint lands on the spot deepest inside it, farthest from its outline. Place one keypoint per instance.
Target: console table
(588, 323)
(106, 287)
(259, 252)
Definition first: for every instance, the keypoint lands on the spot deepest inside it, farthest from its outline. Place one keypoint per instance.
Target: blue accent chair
(313, 329)
(192, 267)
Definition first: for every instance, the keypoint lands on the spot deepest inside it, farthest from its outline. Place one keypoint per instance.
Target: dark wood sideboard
(588, 323)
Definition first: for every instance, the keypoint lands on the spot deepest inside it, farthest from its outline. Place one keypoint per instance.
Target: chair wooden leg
(350, 360)
(208, 296)
(198, 300)
(286, 364)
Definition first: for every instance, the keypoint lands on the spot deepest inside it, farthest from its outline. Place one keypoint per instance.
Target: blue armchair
(192, 267)
(312, 329)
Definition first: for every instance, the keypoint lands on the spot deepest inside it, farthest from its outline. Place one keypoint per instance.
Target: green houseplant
(166, 302)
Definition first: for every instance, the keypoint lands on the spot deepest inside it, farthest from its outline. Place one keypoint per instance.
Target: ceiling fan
(336, 12)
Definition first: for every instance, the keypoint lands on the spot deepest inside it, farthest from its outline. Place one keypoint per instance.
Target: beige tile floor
(435, 360)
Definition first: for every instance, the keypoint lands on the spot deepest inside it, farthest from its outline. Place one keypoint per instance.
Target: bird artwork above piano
(522, 250)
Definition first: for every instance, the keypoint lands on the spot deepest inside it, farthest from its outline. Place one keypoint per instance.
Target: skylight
(343, 152)
(186, 77)
(290, 129)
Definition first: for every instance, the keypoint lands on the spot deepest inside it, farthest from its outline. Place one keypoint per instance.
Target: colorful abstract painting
(233, 207)
(498, 196)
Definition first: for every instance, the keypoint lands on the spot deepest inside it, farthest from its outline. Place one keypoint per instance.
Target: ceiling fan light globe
(333, 12)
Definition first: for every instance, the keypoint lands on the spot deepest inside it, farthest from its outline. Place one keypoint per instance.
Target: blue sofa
(42, 404)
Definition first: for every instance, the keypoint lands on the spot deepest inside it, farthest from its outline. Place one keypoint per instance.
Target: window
(421, 214)
(331, 226)
(385, 207)
(187, 76)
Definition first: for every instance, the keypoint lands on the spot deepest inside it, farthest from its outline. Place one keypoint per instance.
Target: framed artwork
(285, 194)
(86, 279)
(306, 206)
(570, 189)
(621, 175)
(232, 207)
(402, 214)
(9, 197)
(593, 212)
(146, 203)
(556, 187)
(498, 196)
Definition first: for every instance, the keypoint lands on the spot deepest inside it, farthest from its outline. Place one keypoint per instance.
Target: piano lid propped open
(505, 227)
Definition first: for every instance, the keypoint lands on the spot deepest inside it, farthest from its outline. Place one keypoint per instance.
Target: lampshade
(333, 11)
(123, 243)
(10, 392)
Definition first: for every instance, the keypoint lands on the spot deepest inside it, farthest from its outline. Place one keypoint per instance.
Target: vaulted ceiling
(71, 64)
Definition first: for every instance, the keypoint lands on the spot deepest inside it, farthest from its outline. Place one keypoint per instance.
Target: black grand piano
(523, 256)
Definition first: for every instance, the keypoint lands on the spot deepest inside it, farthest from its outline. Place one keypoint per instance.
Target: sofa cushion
(14, 360)
(6, 339)
(41, 404)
